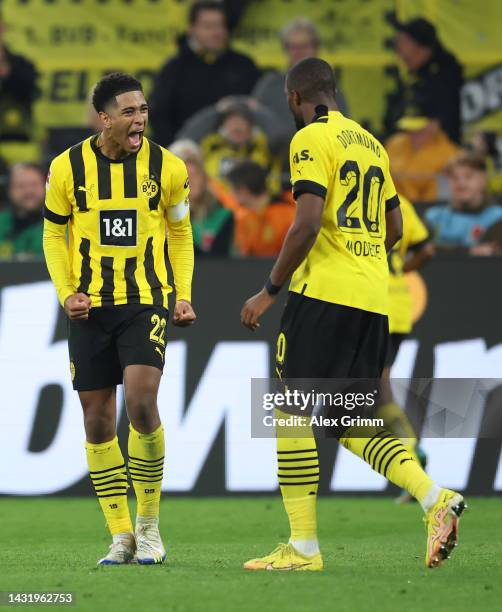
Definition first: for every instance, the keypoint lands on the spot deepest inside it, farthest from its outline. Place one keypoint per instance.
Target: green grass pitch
(373, 554)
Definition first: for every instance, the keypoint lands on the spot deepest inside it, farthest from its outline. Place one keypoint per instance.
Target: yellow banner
(352, 31)
(74, 42)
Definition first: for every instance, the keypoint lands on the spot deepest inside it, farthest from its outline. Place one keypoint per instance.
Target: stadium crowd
(229, 122)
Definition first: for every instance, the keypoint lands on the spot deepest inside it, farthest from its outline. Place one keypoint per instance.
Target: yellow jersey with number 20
(338, 160)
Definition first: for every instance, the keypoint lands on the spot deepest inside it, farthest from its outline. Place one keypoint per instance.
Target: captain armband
(179, 211)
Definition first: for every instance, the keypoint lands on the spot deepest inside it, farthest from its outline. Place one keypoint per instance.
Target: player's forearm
(180, 250)
(394, 223)
(297, 244)
(417, 259)
(56, 257)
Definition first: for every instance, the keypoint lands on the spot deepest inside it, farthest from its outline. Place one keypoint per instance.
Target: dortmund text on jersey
(336, 159)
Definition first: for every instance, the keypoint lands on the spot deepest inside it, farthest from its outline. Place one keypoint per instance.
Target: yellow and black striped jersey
(116, 213)
(338, 160)
(415, 235)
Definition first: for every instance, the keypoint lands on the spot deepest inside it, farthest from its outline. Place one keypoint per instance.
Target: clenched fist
(77, 306)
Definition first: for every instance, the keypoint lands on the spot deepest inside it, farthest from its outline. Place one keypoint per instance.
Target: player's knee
(99, 427)
(143, 413)
(146, 423)
(141, 403)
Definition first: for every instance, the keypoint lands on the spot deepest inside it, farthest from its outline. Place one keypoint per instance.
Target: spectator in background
(489, 146)
(300, 39)
(60, 138)
(18, 91)
(4, 181)
(434, 80)
(417, 158)
(208, 119)
(21, 226)
(261, 224)
(238, 139)
(212, 224)
(204, 70)
(234, 9)
(92, 120)
(470, 213)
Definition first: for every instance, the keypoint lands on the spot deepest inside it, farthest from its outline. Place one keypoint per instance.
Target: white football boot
(121, 551)
(150, 549)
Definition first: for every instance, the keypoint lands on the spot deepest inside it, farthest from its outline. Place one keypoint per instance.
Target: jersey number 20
(373, 177)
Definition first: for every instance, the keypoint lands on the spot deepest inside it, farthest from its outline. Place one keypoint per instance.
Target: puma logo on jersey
(88, 191)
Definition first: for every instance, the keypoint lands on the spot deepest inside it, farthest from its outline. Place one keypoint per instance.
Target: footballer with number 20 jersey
(348, 263)
(117, 214)
(334, 329)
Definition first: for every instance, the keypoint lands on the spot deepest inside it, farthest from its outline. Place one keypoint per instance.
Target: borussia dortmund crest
(149, 187)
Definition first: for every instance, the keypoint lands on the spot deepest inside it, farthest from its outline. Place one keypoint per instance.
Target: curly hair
(113, 85)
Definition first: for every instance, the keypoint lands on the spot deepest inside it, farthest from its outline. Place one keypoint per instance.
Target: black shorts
(112, 338)
(323, 340)
(393, 347)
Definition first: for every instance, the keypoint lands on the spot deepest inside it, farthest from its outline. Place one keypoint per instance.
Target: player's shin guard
(146, 467)
(108, 474)
(388, 456)
(298, 472)
(397, 422)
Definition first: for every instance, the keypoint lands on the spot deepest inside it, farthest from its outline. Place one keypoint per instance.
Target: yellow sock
(146, 467)
(388, 456)
(302, 515)
(397, 422)
(298, 472)
(109, 477)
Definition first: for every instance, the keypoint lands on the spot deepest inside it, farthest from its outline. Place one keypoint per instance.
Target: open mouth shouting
(134, 139)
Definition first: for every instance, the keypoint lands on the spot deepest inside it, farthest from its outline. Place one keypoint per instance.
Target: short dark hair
(249, 174)
(310, 77)
(111, 86)
(205, 5)
(420, 30)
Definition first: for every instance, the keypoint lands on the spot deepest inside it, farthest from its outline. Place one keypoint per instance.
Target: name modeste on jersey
(336, 159)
